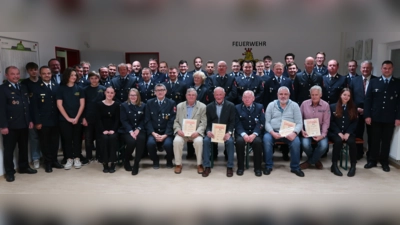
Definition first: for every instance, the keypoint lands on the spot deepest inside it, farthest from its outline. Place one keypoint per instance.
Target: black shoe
(369, 165)
(385, 167)
(127, 165)
(28, 171)
(48, 168)
(135, 169)
(335, 170)
(156, 165)
(84, 161)
(352, 171)
(169, 164)
(258, 173)
(10, 177)
(112, 168)
(267, 171)
(298, 172)
(105, 168)
(239, 172)
(57, 165)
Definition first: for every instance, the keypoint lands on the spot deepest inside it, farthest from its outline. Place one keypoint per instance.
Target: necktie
(159, 103)
(309, 76)
(267, 73)
(146, 86)
(247, 79)
(49, 86)
(319, 70)
(279, 80)
(172, 85)
(17, 86)
(248, 108)
(386, 81)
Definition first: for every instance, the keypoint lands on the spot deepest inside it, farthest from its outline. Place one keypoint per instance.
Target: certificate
(287, 127)
(219, 132)
(189, 127)
(312, 127)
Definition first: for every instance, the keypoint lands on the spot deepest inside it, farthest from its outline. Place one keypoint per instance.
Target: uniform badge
(41, 84)
(166, 116)
(100, 91)
(13, 93)
(42, 100)
(76, 94)
(14, 102)
(174, 109)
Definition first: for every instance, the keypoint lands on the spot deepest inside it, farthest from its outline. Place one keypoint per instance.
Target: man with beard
(137, 70)
(319, 67)
(86, 69)
(333, 83)
(176, 89)
(198, 64)
(249, 82)
(54, 65)
(289, 58)
(112, 70)
(209, 71)
(352, 67)
(146, 86)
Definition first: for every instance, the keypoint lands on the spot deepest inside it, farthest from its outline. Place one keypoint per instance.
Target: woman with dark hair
(133, 128)
(342, 129)
(107, 122)
(70, 103)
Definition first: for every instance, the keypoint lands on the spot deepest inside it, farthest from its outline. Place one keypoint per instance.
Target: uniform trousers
(338, 144)
(382, 134)
(49, 143)
(167, 145)
(132, 144)
(10, 141)
(257, 147)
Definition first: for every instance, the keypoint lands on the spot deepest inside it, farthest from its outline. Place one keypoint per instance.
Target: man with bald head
(305, 80)
(333, 83)
(272, 85)
(222, 79)
(137, 70)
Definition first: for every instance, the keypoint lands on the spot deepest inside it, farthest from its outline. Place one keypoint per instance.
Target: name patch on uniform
(15, 102)
(76, 93)
(42, 94)
(13, 93)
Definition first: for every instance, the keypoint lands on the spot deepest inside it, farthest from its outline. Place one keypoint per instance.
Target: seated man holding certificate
(189, 125)
(316, 115)
(220, 125)
(249, 126)
(283, 122)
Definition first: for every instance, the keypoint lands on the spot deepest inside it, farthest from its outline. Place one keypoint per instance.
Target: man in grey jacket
(278, 111)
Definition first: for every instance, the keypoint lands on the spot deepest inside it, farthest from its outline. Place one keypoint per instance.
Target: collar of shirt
(276, 77)
(148, 83)
(158, 100)
(333, 76)
(190, 106)
(386, 78)
(318, 104)
(367, 78)
(47, 84)
(216, 103)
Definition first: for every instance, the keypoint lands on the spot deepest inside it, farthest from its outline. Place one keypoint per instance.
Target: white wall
(381, 40)
(174, 46)
(47, 43)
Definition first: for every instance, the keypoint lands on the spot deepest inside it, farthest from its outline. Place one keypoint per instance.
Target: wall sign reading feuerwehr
(249, 43)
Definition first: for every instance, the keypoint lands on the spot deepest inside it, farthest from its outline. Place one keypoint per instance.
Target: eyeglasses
(132, 95)
(160, 90)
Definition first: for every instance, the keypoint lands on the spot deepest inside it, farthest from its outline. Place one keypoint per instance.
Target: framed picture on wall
(349, 54)
(358, 50)
(368, 49)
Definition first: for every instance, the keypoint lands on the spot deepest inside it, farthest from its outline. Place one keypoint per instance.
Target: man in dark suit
(209, 71)
(81, 81)
(319, 67)
(289, 58)
(221, 79)
(382, 112)
(223, 112)
(333, 83)
(54, 65)
(358, 89)
(156, 76)
(146, 86)
(184, 76)
(14, 123)
(352, 67)
(236, 69)
(45, 117)
(267, 66)
(198, 65)
(112, 70)
(123, 83)
(163, 67)
(160, 115)
(104, 77)
(249, 126)
(137, 70)
(272, 85)
(86, 69)
(305, 80)
(249, 82)
(176, 90)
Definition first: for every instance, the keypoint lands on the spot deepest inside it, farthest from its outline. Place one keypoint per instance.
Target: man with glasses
(159, 120)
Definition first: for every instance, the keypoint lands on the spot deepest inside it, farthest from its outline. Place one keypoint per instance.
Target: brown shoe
(304, 165)
(319, 165)
(200, 169)
(178, 169)
(206, 172)
(229, 172)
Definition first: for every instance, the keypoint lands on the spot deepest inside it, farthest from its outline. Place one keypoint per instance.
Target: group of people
(144, 109)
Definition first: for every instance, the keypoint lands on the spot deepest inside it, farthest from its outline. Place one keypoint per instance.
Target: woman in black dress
(132, 119)
(107, 121)
(342, 129)
(70, 103)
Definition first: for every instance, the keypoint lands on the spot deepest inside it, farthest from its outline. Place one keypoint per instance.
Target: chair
(344, 153)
